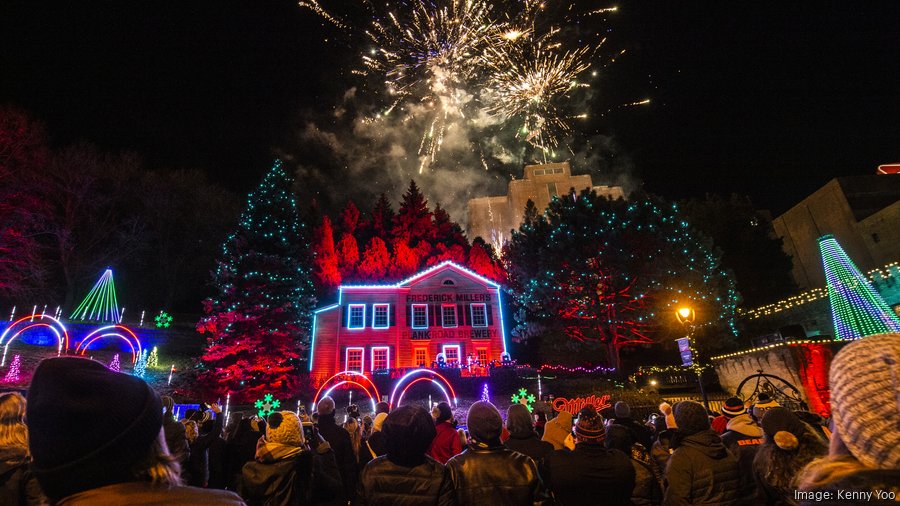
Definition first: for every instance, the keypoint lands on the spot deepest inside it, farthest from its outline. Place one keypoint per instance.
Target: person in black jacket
(339, 439)
(286, 472)
(241, 449)
(207, 453)
(576, 476)
(701, 470)
(489, 473)
(522, 437)
(640, 433)
(648, 480)
(405, 475)
(743, 437)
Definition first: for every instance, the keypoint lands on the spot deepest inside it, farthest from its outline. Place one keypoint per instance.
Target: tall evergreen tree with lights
(257, 325)
(613, 272)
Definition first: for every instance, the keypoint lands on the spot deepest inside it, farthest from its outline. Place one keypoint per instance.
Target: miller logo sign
(575, 405)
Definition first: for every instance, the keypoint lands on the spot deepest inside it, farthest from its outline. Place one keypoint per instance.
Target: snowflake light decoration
(267, 405)
(524, 398)
(163, 320)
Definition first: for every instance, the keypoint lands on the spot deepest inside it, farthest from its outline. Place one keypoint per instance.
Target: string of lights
(772, 346)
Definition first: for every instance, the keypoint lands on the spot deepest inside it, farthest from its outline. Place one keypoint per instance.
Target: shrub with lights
(257, 323)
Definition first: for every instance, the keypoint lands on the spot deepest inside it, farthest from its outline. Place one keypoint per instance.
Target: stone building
(862, 212)
(492, 218)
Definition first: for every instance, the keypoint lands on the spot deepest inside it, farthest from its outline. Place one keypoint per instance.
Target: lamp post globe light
(686, 316)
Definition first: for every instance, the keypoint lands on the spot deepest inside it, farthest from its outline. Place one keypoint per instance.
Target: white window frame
(362, 358)
(443, 316)
(387, 318)
(350, 309)
(412, 314)
(387, 363)
(458, 353)
(472, 314)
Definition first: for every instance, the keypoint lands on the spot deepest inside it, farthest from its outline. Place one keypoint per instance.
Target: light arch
(348, 378)
(417, 375)
(116, 332)
(19, 326)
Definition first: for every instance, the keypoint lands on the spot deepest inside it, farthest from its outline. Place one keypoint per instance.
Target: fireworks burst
(450, 64)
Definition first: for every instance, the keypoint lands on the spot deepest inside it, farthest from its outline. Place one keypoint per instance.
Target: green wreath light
(163, 320)
(267, 405)
(524, 398)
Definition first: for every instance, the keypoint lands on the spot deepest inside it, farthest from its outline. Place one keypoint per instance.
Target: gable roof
(431, 271)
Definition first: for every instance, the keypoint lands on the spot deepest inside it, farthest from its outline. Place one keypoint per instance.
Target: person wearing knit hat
(666, 409)
(285, 471)
(576, 476)
(640, 433)
(558, 431)
(732, 407)
(700, 466)
(122, 460)
(487, 472)
(790, 444)
(446, 443)
(763, 402)
(743, 437)
(864, 454)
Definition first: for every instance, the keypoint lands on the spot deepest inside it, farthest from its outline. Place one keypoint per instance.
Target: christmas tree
(12, 375)
(258, 322)
(115, 365)
(857, 309)
(140, 367)
(153, 359)
(485, 395)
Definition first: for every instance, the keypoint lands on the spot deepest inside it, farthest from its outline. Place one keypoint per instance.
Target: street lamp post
(686, 316)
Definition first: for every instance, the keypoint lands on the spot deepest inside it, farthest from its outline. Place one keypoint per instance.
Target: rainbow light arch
(112, 331)
(436, 379)
(58, 329)
(348, 378)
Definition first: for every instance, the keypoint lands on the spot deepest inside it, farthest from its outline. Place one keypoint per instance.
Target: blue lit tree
(258, 322)
(613, 272)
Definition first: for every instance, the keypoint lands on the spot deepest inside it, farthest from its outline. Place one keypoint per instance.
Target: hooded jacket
(576, 477)
(558, 429)
(339, 439)
(702, 471)
(285, 475)
(743, 438)
(17, 484)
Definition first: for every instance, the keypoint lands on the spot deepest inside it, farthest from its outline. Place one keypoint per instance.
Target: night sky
(769, 99)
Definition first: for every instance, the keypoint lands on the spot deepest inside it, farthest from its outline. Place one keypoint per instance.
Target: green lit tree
(613, 272)
(258, 322)
(856, 308)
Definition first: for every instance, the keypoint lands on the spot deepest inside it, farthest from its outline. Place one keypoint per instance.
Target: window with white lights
(353, 360)
(381, 357)
(448, 315)
(380, 316)
(479, 315)
(419, 316)
(356, 318)
(451, 354)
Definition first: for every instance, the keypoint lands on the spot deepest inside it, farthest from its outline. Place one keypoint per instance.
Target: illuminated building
(492, 218)
(443, 314)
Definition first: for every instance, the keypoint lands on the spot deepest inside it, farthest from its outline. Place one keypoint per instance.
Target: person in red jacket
(447, 443)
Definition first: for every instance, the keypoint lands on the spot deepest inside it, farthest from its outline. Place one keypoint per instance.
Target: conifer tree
(257, 324)
(413, 221)
(325, 261)
(375, 261)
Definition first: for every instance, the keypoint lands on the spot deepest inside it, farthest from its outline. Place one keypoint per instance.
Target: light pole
(686, 316)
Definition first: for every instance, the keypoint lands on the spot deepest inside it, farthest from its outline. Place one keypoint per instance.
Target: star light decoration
(267, 405)
(524, 398)
(163, 320)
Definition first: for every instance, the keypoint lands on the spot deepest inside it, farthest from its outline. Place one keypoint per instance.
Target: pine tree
(257, 325)
(382, 218)
(350, 218)
(405, 261)
(375, 262)
(347, 256)
(326, 275)
(413, 220)
(481, 261)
